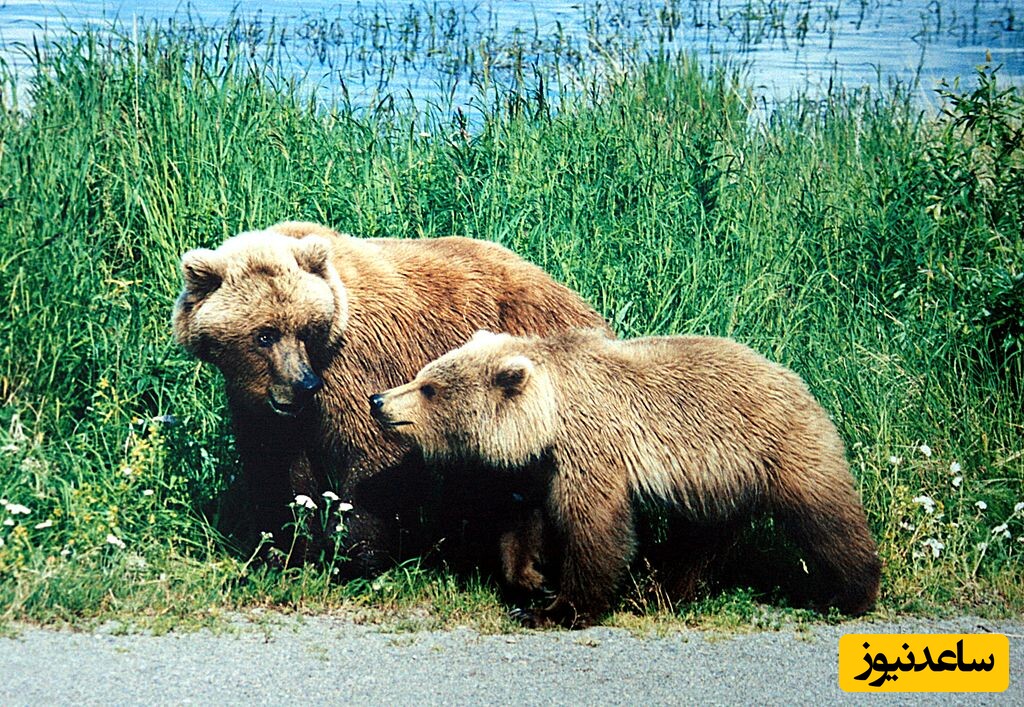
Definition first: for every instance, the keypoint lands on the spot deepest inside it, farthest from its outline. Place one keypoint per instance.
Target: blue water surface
(442, 52)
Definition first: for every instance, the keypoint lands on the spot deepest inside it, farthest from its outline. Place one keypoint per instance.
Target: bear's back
(690, 415)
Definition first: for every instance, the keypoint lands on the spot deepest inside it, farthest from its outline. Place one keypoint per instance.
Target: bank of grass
(875, 250)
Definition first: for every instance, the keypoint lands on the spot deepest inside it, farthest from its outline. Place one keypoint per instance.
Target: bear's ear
(202, 271)
(313, 254)
(513, 374)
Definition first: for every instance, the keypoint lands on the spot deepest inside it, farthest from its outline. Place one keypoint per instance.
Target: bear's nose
(310, 382)
(376, 404)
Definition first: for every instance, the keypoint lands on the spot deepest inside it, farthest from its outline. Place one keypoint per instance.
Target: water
(442, 52)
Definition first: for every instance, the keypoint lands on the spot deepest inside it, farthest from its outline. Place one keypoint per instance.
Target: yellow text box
(924, 662)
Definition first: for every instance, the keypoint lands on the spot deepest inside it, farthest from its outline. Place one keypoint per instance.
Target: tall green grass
(874, 249)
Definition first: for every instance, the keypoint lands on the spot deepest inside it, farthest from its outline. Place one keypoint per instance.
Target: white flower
(983, 546)
(957, 480)
(9, 448)
(266, 537)
(936, 546)
(44, 525)
(907, 526)
(3, 502)
(305, 501)
(340, 528)
(115, 541)
(147, 492)
(954, 468)
(926, 451)
(894, 460)
(981, 505)
(16, 508)
(330, 495)
(65, 552)
(345, 507)
(926, 501)
(1018, 507)
(1002, 529)
(127, 470)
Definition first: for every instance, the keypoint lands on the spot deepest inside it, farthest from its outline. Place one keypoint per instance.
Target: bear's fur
(304, 323)
(705, 425)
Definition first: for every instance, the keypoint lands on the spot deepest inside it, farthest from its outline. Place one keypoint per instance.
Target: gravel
(316, 660)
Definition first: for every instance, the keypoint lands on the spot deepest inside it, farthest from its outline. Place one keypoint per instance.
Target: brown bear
(304, 323)
(705, 425)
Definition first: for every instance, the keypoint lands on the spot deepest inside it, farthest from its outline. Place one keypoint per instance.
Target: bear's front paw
(559, 612)
(530, 618)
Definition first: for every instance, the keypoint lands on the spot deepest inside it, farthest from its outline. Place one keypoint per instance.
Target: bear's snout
(378, 413)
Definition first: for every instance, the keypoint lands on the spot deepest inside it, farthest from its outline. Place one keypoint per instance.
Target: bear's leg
(593, 521)
(522, 554)
(825, 518)
(270, 460)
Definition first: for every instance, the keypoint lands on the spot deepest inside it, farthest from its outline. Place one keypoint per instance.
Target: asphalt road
(333, 660)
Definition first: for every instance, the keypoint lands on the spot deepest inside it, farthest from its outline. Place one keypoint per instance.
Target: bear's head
(267, 310)
(490, 400)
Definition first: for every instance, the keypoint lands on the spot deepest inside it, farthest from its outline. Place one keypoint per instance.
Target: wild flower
(935, 545)
(8, 522)
(954, 468)
(981, 505)
(926, 451)
(1018, 507)
(147, 492)
(894, 460)
(926, 502)
(957, 480)
(44, 525)
(1001, 529)
(115, 541)
(266, 537)
(345, 507)
(16, 508)
(330, 495)
(305, 501)
(908, 526)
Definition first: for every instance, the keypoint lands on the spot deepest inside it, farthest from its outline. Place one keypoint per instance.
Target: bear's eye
(265, 338)
(427, 391)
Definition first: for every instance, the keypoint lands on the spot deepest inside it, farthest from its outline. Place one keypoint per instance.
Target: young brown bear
(304, 323)
(703, 424)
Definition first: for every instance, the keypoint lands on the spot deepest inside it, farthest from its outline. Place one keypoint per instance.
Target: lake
(440, 52)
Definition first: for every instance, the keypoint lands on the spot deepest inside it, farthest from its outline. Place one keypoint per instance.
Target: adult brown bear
(305, 323)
